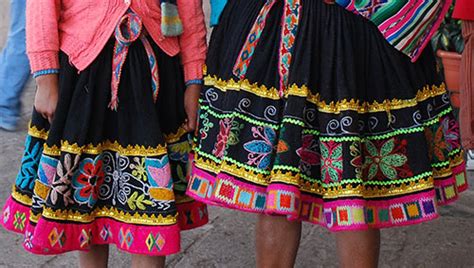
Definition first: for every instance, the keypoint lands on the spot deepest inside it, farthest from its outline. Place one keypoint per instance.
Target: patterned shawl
(406, 24)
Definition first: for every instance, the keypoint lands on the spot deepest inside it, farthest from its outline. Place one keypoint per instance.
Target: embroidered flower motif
(61, 184)
(309, 153)
(331, 161)
(260, 150)
(384, 161)
(357, 159)
(451, 133)
(118, 182)
(229, 131)
(139, 169)
(87, 181)
(436, 144)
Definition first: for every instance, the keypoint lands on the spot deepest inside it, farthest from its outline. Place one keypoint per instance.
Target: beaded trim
(45, 72)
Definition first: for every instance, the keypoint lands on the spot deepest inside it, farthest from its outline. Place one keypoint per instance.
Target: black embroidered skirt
(97, 176)
(359, 137)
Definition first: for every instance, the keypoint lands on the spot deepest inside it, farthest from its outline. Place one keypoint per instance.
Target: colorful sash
(128, 30)
(291, 17)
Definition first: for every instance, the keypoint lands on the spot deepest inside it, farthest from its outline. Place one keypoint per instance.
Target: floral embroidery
(260, 150)
(386, 160)
(436, 143)
(309, 154)
(357, 159)
(229, 131)
(139, 169)
(451, 133)
(87, 181)
(61, 184)
(331, 161)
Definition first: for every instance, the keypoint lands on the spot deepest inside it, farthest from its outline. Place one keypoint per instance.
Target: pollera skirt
(97, 176)
(360, 138)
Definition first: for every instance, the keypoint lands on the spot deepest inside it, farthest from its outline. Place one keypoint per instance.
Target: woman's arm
(42, 45)
(193, 40)
(193, 55)
(42, 38)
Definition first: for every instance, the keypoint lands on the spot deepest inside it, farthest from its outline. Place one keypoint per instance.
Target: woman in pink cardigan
(105, 156)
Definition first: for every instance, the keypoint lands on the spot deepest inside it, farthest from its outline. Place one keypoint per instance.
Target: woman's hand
(46, 98)
(191, 104)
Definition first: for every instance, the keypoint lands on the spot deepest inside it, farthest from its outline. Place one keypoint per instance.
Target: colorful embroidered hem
(112, 198)
(334, 176)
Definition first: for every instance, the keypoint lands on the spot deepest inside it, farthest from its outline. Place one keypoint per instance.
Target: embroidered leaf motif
(138, 201)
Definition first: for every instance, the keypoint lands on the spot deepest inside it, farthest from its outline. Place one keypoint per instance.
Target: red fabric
(467, 87)
(464, 9)
(81, 28)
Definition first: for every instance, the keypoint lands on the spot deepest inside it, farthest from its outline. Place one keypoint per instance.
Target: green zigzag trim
(438, 116)
(239, 115)
(293, 121)
(254, 169)
(455, 152)
(284, 167)
(440, 164)
(371, 183)
(210, 156)
(311, 131)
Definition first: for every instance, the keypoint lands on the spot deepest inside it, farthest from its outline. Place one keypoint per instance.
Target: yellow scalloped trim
(135, 218)
(135, 150)
(21, 198)
(33, 131)
(331, 107)
(175, 137)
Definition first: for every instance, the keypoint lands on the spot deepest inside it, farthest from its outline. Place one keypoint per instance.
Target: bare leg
(359, 248)
(97, 257)
(143, 261)
(277, 241)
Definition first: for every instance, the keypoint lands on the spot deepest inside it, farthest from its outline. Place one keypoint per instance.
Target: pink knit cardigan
(81, 28)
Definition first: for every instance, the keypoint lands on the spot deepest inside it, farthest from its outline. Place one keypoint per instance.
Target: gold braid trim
(21, 198)
(136, 150)
(175, 137)
(323, 106)
(33, 131)
(135, 218)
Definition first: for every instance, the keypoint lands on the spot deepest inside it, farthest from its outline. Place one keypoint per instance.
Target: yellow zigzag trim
(33, 131)
(136, 150)
(331, 107)
(135, 218)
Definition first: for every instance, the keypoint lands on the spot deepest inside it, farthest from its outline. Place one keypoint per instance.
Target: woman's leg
(143, 261)
(97, 257)
(359, 248)
(277, 241)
